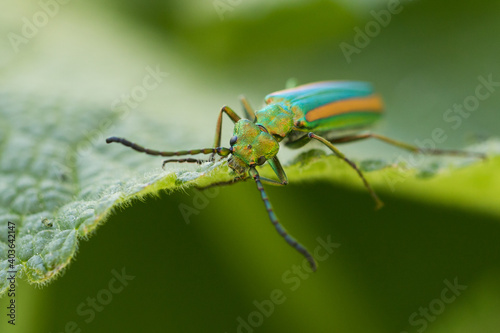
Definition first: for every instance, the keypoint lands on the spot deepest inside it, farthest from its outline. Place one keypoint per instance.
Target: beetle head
(251, 145)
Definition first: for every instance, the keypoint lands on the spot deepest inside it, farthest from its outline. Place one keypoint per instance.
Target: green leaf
(57, 170)
(466, 183)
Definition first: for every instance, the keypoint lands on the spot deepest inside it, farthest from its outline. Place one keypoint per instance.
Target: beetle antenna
(274, 219)
(224, 152)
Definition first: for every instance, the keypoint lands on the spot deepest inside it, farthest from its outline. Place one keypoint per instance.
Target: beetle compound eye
(261, 160)
(233, 140)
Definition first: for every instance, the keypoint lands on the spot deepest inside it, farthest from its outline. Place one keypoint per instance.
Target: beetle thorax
(277, 120)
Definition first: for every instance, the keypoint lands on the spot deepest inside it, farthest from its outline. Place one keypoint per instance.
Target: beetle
(331, 112)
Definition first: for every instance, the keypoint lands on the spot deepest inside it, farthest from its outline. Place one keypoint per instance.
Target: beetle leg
(274, 220)
(218, 129)
(278, 170)
(229, 182)
(184, 160)
(249, 113)
(337, 152)
(297, 139)
(408, 147)
(272, 181)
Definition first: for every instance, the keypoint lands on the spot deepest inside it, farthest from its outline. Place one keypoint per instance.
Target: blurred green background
(206, 276)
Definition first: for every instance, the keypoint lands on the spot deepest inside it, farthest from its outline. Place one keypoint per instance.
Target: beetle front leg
(279, 228)
(183, 160)
(218, 129)
(278, 170)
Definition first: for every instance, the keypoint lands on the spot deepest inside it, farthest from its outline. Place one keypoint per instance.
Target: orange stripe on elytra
(372, 103)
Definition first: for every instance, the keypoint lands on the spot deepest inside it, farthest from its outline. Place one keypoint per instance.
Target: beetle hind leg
(409, 147)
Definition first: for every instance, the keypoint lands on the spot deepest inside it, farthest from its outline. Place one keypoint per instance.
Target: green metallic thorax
(277, 119)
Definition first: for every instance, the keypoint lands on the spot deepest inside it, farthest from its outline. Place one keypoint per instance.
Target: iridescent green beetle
(330, 112)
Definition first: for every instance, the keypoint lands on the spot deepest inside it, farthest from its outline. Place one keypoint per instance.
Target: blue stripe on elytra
(314, 95)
